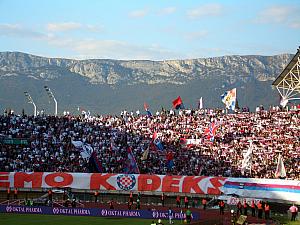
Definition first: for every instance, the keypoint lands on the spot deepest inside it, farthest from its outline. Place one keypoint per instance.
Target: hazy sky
(156, 30)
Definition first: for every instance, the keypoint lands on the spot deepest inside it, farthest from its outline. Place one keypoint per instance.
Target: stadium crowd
(183, 135)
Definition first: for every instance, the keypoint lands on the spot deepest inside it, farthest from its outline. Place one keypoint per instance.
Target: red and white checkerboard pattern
(126, 181)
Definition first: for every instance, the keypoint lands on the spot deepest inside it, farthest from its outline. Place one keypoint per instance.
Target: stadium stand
(187, 148)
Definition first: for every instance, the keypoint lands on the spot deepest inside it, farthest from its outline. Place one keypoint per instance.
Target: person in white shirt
(170, 215)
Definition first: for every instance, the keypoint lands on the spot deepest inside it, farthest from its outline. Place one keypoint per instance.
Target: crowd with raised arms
(50, 147)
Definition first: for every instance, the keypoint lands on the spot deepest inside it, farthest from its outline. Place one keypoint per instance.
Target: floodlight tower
(30, 101)
(51, 96)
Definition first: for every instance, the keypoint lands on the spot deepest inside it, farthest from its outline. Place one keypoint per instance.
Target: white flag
(280, 170)
(200, 103)
(85, 149)
(247, 161)
(284, 102)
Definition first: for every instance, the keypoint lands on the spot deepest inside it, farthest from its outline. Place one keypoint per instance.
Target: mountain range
(106, 86)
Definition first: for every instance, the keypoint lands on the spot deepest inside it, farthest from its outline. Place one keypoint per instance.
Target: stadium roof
(288, 82)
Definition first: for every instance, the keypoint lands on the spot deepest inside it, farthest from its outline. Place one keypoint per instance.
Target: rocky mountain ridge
(129, 72)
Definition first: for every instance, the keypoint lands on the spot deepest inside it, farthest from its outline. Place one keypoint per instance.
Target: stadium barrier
(44, 210)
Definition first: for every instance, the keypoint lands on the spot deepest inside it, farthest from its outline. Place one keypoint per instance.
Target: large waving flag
(280, 170)
(177, 103)
(146, 107)
(229, 99)
(157, 142)
(87, 152)
(85, 149)
(247, 161)
(131, 167)
(211, 131)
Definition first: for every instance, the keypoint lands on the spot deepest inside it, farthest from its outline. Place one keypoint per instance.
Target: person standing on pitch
(245, 206)
(178, 201)
(16, 193)
(186, 202)
(239, 208)
(153, 223)
(253, 207)
(162, 198)
(170, 215)
(129, 204)
(138, 204)
(111, 204)
(131, 197)
(50, 195)
(159, 222)
(96, 194)
(8, 193)
(188, 216)
(294, 210)
(260, 210)
(267, 211)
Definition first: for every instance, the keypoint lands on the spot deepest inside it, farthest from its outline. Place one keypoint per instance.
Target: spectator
(50, 148)
(222, 207)
(73, 204)
(204, 202)
(65, 194)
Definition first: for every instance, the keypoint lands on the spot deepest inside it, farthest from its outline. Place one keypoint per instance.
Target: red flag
(177, 102)
(146, 106)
